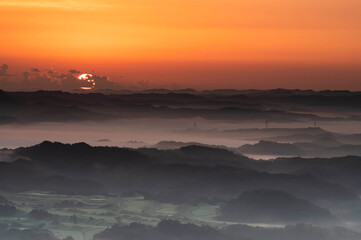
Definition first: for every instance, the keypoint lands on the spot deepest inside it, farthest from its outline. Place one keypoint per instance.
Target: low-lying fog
(147, 132)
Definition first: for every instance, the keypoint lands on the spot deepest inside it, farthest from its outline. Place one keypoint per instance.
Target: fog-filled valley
(185, 164)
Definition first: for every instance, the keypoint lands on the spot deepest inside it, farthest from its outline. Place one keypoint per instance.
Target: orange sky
(219, 43)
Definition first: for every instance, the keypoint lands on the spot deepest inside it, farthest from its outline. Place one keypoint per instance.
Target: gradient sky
(188, 43)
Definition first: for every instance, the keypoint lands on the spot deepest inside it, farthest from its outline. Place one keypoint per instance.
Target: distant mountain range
(233, 105)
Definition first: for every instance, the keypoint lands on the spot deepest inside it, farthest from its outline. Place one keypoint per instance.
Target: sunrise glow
(200, 44)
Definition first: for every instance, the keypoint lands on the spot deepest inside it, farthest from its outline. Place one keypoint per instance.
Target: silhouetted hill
(174, 230)
(341, 170)
(199, 154)
(164, 145)
(72, 157)
(26, 176)
(328, 141)
(269, 206)
(263, 133)
(271, 148)
(165, 230)
(292, 232)
(199, 171)
(196, 151)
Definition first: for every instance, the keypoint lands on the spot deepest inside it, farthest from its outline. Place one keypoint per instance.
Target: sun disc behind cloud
(88, 81)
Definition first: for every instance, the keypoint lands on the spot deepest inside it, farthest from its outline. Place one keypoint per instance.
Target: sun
(88, 80)
(85, 76)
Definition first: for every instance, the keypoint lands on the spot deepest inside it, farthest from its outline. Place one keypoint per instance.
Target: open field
(95, 213)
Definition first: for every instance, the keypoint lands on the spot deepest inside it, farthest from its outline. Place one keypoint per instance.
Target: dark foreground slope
(273, 207)
(174, 230)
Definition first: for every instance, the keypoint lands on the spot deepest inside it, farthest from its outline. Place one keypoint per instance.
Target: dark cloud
(36, 78)
(70, 81)
(102, 82)
(73, 71)
(50, 79)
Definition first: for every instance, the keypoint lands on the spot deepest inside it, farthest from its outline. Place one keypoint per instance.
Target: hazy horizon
(181, 75)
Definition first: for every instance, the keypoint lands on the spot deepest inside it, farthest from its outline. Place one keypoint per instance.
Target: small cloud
(3, 70)
(73, 71)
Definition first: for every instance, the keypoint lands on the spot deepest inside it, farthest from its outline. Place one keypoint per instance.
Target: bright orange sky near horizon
(190, 43)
